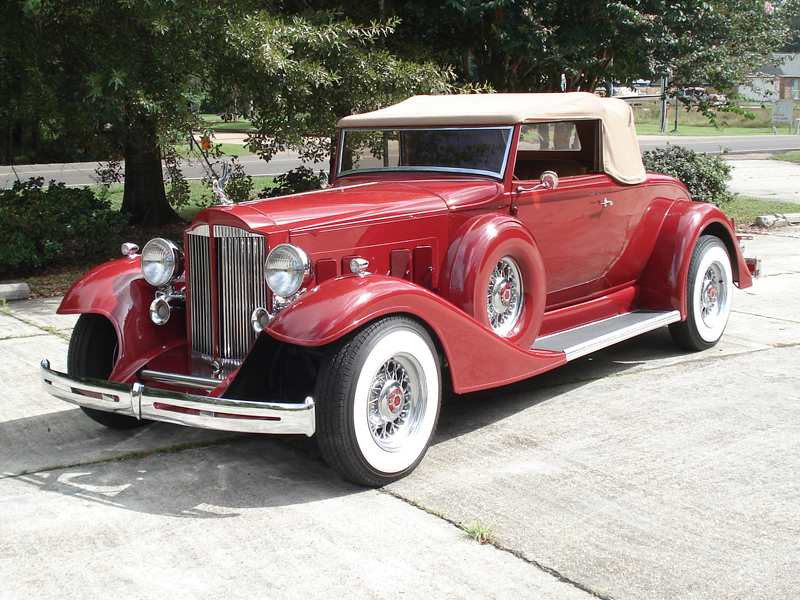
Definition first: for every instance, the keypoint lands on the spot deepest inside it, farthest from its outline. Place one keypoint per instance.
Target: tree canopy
(89, 78)
(528, 46)
(121, 74)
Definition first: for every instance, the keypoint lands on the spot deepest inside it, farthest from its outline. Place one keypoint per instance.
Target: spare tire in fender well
(473, 255)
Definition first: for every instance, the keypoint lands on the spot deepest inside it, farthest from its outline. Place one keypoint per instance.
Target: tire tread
(336, 378)
(91, 349)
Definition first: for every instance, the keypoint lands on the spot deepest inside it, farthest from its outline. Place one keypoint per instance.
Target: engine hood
(362, 202)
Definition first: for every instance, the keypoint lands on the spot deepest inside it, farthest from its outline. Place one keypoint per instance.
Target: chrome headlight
(162, 262)
(287, 269)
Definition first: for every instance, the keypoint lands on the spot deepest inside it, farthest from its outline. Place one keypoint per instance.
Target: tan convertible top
(621, 157)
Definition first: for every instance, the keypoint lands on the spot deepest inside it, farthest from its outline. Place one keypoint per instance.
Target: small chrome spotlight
(160, 311)
(260, 319)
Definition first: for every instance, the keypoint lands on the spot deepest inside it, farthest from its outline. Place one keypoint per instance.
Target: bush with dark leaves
(301, 179)
(42, 226)
(705, 175)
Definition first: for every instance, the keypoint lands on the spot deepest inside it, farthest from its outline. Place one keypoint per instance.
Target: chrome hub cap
(713, 294)
(397, 401)
(391, 401)
(504, 296)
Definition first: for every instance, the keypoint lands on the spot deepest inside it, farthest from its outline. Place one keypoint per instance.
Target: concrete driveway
(637, 472)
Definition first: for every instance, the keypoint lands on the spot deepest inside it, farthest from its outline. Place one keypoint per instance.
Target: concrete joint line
(22, 337)
(47, 329)
(770, 317)
(515, 553)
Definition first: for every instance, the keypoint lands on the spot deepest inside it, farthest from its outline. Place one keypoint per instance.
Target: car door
(583, 226)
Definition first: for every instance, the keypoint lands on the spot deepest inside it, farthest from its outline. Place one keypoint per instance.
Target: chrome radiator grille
(228, 269)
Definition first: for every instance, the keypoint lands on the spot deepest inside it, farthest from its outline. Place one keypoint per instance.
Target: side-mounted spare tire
(495, 273)
(93, 350)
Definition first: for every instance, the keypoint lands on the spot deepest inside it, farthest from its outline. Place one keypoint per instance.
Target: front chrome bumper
(155, 404)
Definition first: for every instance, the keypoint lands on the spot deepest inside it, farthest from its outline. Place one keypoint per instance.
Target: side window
(550, 136)
(567, 147)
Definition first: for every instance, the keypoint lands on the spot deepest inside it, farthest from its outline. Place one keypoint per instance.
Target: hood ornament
(218, 186)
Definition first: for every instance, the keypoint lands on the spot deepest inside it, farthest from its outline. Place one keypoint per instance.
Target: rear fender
(118, 291)
(477, 358)
(664, 280)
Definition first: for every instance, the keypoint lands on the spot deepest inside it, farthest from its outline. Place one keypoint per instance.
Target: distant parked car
(694, 95)
(698, 95)
(466, 242)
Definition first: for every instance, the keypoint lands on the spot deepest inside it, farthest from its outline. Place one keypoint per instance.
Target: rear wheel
(378, 401)
(708, 296)
(93, 353)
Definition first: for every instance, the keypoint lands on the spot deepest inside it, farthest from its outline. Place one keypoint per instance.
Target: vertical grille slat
(238, 288)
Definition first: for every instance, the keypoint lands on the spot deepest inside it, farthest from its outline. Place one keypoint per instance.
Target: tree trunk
(144, 198)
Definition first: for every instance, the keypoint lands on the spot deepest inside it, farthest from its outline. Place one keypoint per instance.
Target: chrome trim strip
(596, 336)
(190, 381)
(153, 404)
(136, 399)
(493, 174)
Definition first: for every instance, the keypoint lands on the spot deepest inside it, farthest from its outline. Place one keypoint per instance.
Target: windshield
(481, 150)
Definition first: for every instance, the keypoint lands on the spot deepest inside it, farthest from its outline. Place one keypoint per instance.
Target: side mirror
(548, 181)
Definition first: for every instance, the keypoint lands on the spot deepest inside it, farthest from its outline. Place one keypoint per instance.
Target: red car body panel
(590, 249)
(118, 291)
(340, 306)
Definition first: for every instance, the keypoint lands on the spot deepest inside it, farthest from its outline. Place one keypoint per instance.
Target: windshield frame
(424, 169)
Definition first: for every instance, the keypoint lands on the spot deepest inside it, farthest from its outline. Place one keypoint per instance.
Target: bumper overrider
(153, 404)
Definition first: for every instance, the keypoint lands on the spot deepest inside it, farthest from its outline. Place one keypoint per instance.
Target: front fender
(664, 280)
(477, 357)
(118, 291)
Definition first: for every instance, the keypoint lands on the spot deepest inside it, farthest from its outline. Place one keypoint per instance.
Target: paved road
(639, 472)
(82, 173)
(744, 144)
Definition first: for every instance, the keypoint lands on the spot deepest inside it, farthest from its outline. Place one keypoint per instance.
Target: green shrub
(301, 179)
(44, 226)
(705, 175)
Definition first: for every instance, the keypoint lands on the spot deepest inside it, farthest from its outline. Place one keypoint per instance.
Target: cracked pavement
(637, 472)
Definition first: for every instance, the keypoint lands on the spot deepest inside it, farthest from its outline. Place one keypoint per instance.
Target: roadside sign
(782, 112)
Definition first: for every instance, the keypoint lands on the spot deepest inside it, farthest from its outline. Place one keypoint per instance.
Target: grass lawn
(216, 123)
(789, 157)
(227, 150)
(744, 210)
(708, 130)
(692, 122)
(200, 195)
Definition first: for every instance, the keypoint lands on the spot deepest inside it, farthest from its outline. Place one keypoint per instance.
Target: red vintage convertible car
(467, 241)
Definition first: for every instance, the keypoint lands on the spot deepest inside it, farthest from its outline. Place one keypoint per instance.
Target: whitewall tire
(378, 398)
(708, 296)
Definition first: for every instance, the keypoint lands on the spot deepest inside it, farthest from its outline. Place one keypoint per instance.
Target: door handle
(606, 202)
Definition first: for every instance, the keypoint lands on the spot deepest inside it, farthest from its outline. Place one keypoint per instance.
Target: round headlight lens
(287, 269)
(162, 262)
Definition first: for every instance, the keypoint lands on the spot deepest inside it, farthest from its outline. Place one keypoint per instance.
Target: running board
(596, 336)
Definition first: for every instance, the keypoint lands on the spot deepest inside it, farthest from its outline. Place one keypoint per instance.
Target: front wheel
(378, 403)
(93, 353)
(708, 296)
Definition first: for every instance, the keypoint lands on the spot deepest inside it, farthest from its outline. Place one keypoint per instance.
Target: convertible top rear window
(480, 150)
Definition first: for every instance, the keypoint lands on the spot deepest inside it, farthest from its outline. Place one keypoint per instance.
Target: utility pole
(677, 106)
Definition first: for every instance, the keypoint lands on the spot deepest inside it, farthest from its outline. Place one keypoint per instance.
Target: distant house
(772, 83)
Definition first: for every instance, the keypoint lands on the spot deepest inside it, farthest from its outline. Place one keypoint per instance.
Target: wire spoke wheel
(713, 295)
(708, 296)
(378, 397)
(397, 401)
(504, 295)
